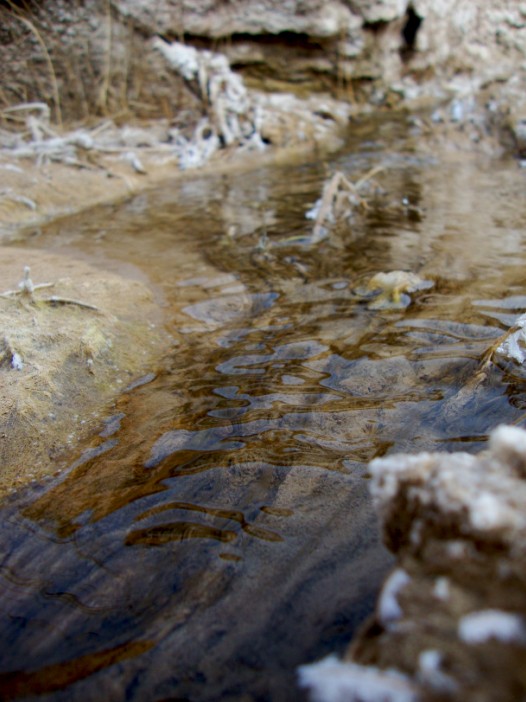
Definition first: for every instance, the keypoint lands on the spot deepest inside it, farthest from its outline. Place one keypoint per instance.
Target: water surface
(218, 532)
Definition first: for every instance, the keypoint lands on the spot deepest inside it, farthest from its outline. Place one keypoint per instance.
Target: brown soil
(63, 361)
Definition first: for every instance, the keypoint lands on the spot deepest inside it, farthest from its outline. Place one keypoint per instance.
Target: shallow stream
(218, 532)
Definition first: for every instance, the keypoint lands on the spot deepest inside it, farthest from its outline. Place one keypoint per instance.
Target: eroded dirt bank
(99, 69)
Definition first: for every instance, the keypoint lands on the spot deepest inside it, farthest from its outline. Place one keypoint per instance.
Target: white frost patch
(331, 680)
(429, 660)
(441, 589)
(488, 511)
(417, 529)
(487, 624)
(16, 361)
(508, 445)
(513, 345)
(185, 59)
(457, 549)
(314, 210)
(430, 673)
(389, 610)
(134, 161)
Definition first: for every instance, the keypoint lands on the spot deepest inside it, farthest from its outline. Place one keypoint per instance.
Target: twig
(54, 300)
(329, 193)
(333, 197)
(31, 204)
(42, 107)
(370, 173)
(26, 288)
(507, 345)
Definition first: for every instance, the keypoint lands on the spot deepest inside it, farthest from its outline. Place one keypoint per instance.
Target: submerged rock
(390, 290)
(451, 619)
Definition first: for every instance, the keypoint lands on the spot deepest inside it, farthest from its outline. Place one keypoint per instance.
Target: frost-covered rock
(452, 615)
(478, 496)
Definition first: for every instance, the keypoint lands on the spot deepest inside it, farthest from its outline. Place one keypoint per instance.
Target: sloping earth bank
(67, 349)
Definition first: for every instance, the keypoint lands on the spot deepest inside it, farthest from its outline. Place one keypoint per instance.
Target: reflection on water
(219, 532)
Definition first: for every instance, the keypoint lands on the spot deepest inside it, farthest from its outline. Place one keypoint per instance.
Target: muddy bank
(49, 172)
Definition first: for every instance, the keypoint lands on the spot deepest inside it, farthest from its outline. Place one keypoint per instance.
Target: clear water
(218, 532)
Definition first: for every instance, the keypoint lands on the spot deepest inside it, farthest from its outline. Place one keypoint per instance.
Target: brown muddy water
(218, 532)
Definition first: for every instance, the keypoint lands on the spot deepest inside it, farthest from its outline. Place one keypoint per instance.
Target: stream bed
(218, 532)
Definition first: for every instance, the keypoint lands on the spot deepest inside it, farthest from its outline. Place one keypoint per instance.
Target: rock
(451, 619)
(518, 130)
(216, 19)
(374, 11)
(390, 290)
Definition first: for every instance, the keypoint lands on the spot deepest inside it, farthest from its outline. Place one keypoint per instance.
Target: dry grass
(96, 66)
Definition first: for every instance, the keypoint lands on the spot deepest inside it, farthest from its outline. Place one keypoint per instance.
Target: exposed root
(232, 117)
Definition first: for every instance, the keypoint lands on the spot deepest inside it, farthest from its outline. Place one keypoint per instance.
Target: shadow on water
(219, 531)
